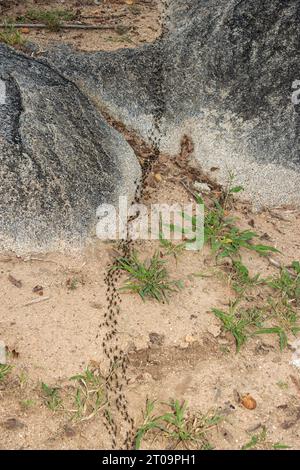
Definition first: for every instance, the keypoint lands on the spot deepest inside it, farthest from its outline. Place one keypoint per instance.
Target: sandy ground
(177, 350)
(190, 358)
(132, 23)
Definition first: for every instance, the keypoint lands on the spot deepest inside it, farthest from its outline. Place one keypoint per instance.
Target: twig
(188, 189)
(275, 263)
(29, 258)
(280, 266)
(61, 26)
(97, 17)
(36, 301)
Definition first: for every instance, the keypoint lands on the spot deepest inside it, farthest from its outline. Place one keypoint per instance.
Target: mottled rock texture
(223, 73)
(59, 159)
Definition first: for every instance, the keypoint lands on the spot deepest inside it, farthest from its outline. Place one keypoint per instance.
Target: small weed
(5, 370)
(225, 349)
(241, 278)
(288, 283)
(285, 318)
(257, 440)
(23, 379)
(260, 441)
(90, 395)
(72, 283)
(120, 38)
(282, 385)
(52, 397)
(149, 278)
(52, 18)
(225, 238)
(178, 426)
(230, 190)
(170, 248)
(26, 404)
(11, 36)
(240, 322)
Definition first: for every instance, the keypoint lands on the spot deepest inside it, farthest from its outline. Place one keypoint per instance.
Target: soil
(177, 350)
(133, 23)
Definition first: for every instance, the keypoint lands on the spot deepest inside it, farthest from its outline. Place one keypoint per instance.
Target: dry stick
(36, 301)
(280, 266)
(111, 17)
(61, 26)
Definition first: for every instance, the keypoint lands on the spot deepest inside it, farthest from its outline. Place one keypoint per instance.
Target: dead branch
(61, 26)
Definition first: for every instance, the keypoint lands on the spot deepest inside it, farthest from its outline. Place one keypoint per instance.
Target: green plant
(72, 283)
(26, 404)
(241, 278)
(5, 370)
(240, 322)
(149, 278)
(282, 385)
(23, 379)
(288, 282)
(151, 422)
(170, 248)
(223, 236)
(90, 395)
(177, 425)
(257, 439)
(229, 190)
(52, 18)
(52, 397)
(260, 441)
(11, 36)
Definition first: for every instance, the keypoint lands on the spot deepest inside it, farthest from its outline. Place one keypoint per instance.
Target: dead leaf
(15, 281)
(248, 402)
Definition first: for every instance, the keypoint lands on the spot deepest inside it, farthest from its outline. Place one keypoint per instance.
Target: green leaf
(236, 189)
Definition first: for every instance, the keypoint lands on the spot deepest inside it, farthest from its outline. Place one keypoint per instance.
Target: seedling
(51, 397)
(52, 18)
(285, 318)
(178, 426)
(90, 395)
(240, 322)
(27, 404)
(241, 278)
(150, 278)
(224, 237)
(282, 385)
(11, 36)
(170, 248)
(287, 283)
(5, 370)
(230, 190)
(260, 441)
(72, 283)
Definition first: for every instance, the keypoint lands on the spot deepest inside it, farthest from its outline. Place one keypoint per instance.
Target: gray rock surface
(223, 74)
(59, 159)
